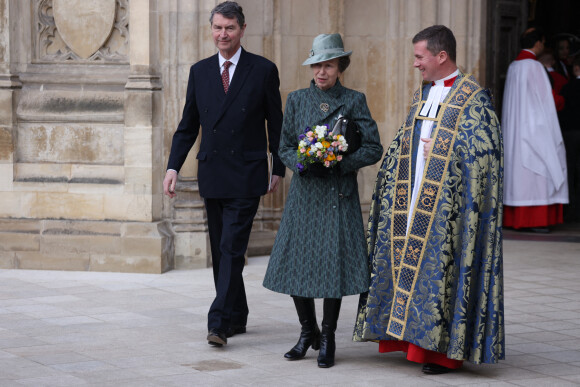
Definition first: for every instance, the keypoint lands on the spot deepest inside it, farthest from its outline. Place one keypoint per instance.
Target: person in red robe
(535, 158)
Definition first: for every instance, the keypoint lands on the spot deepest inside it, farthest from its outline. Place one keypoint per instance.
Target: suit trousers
(229, 223)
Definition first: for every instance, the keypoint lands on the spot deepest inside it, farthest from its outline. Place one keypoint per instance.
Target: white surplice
(437, 94)
(534, 153)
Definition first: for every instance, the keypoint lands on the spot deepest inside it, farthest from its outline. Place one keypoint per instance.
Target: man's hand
(169, 183)
(427, 147)
(275, 183)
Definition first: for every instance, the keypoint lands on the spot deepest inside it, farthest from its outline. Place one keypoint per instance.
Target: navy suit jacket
(232, 159)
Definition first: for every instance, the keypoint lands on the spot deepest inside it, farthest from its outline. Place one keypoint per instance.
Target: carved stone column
(10, 86)
(85, 138)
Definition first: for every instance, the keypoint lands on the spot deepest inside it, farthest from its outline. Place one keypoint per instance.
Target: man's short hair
(530, 37)
(439, 38)
(229, 10)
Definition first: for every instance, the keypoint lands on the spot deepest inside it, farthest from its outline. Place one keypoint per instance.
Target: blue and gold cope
(440, 285)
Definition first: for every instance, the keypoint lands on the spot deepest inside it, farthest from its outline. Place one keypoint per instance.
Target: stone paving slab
(110, 329)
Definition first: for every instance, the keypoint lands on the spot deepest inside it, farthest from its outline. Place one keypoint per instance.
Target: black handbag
(351, 132)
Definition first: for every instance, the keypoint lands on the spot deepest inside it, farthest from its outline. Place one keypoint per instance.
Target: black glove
(318, 170)
(352, 137)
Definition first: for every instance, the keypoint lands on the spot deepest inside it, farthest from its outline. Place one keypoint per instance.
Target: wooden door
(506, 20)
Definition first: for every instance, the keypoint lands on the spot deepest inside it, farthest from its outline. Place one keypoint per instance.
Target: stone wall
(91, 93)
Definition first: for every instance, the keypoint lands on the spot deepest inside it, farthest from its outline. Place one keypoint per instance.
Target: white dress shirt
(234, 60)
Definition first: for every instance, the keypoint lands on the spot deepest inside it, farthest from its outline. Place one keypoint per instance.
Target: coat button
(232, 152)
(243, 110)
(340, 195)
(215, 131)
(214, 151)
(333, 206)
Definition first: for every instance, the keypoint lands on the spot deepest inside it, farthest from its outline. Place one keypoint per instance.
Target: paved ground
(108, 329)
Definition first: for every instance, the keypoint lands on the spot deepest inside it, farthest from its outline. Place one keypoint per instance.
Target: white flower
(318, 145)
(320, 131)
(302, 144)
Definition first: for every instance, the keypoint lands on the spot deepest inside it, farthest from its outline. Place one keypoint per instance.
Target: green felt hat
(326, 47)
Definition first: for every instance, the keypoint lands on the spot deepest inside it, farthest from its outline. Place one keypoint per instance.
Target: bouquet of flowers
(318, 145)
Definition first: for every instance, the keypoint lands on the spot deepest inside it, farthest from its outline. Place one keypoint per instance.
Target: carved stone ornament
(81, 31)
(84, 25)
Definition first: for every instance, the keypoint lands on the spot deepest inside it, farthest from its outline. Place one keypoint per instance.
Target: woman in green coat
(320, 249)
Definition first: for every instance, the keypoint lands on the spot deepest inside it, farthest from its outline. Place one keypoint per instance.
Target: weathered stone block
(71, 104)
(40, 261)
(138, 147)
(95, 189)
(68, 206)
(97, 174)
(23, 226)
(91, 144)
(55, 244)
(39, 187)
(17, 204)
(128, 207)
(7, 260)
(42, 172)
(73, 227)
(142, 247)
(192, 250)
(138, 108)
(14, 241)
(6, 107)
(6, 145)
(123, 264)
(144, 230)
(138, 180)
(6, 177)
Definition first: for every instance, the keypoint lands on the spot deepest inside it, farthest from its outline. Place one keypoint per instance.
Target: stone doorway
(507, 19)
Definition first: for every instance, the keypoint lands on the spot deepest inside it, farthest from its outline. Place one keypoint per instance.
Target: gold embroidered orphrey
(407, 249)
(324, 107)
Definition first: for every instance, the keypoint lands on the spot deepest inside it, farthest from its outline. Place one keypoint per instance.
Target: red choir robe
(535, 158)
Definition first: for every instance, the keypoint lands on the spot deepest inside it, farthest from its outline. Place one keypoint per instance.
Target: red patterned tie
(226, 76)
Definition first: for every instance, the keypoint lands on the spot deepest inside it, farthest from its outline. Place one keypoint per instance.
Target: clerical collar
(447, 81)
(436, 94)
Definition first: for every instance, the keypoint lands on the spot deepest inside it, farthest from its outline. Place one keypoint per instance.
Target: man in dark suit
(231, 95)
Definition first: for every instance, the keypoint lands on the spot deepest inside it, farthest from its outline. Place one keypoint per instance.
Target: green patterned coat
(320, 248)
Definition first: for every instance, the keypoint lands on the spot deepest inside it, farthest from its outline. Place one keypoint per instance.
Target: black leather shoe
(235, 330)
(216, 338)
(434, 369)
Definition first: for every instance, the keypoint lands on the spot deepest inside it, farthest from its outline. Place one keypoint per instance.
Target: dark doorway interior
(507, 19)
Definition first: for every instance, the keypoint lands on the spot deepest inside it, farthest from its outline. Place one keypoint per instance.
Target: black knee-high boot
(327, 344)
(309, 334)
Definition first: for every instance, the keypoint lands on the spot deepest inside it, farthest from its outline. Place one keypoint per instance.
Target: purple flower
(302, 137)
(308, 129)
(300, 167)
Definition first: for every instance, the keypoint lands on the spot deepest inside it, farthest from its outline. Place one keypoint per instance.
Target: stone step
(261, 243)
